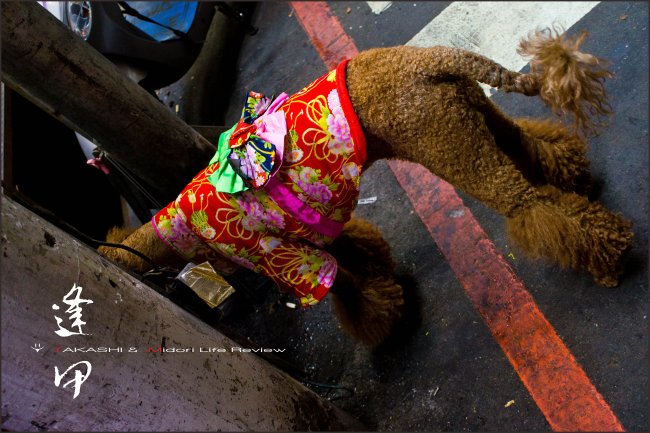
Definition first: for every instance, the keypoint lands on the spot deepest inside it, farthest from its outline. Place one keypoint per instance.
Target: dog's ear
(118, 234)
(115, 235)
(145, 240)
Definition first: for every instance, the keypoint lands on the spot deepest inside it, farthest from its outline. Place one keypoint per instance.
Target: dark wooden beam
(65, 76)
(134, 387)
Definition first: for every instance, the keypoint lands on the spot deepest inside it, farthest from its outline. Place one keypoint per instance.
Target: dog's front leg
(366, 295)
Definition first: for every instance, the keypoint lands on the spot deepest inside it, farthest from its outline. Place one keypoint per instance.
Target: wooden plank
(125, 391)
(70, 80)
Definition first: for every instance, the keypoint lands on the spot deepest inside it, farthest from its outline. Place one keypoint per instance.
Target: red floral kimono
(295, 195)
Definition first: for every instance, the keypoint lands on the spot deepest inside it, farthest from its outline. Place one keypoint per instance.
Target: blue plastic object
(178, 15)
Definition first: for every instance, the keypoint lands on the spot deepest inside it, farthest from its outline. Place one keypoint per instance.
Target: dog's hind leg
(562, 155)
(574, 232)
(444, 129)
(545, 151)
(545, 221)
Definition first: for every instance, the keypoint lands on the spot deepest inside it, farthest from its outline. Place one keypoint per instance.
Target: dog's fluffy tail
(569, 81)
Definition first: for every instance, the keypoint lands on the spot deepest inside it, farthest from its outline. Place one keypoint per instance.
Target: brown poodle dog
(425, 105)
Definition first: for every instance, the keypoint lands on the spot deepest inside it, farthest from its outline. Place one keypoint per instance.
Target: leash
(158, 271)
(54, 219)
(331, 387)
(101, 154)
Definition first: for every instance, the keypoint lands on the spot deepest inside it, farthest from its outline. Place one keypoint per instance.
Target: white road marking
(494, 29)
(368, 200)
(379, 7)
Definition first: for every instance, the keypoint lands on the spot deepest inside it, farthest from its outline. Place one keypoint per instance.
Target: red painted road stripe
(325, 31)
(552, 375)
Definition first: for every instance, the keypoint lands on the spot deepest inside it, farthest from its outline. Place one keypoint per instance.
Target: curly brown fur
(424, 105)
(118, 234)
(560, 155)
(366, 297)
(544, 151)
(145, 240)
(362, 247)
(573, 232)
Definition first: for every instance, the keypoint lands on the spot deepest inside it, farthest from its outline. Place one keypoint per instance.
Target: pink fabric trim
(300, 210)
(277, 102)
(272, 127)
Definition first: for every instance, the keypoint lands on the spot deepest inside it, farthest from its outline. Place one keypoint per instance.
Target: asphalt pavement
(448, 369)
